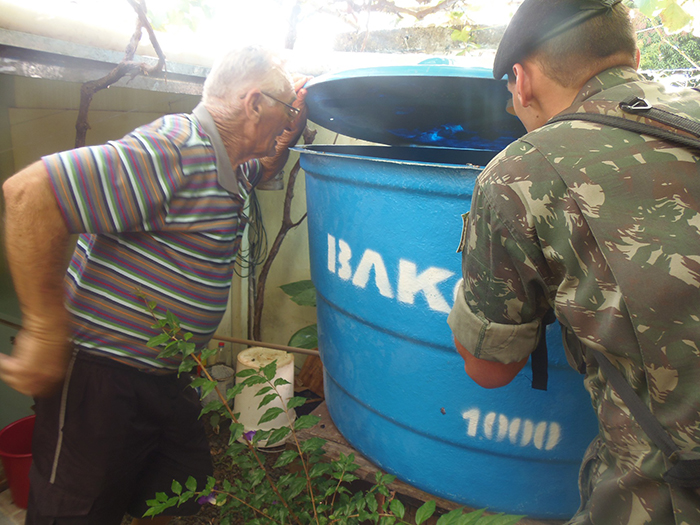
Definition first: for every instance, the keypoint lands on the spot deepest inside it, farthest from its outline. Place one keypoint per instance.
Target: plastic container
(16, 455)
(247, 403)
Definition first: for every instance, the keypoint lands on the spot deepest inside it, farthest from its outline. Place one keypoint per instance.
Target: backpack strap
(640, 107)
(685, 471)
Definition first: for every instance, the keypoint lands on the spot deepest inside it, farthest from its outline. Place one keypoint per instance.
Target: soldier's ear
(523, 84)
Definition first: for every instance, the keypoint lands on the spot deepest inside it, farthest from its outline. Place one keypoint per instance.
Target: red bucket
(16, 455)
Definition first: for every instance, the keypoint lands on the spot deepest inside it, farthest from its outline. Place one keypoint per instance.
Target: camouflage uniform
(533, 243)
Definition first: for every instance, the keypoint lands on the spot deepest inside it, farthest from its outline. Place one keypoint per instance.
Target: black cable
(247, 260)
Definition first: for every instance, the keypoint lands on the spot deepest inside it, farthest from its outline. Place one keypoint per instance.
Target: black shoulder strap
(685, 471)
(540, 358)
(638, 106)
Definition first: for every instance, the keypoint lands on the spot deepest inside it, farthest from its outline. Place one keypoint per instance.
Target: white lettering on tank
(372, 260)
(331, 253)
(488, 424)
(554, 436)
(344, 255)
(540, 429)
(543, 435)
(513, 430)
(472, 417)
(410, 283)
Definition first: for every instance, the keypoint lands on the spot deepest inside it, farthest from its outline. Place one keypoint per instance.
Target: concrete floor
(9, 513)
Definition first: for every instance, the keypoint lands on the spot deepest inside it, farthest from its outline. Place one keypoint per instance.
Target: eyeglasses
(293, 112)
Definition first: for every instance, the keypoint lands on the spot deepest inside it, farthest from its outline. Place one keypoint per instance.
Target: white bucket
(246, 403)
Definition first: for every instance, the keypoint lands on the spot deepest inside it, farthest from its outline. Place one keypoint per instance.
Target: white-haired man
(160, 214)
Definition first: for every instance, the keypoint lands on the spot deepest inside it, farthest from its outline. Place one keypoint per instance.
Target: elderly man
(160, 215)
(602, 225)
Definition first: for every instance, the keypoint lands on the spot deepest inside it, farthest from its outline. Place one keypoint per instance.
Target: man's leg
(182, 451)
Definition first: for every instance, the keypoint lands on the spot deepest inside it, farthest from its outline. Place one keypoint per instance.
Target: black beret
(536, 21)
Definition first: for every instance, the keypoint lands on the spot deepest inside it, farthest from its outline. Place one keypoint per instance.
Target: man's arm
(36, 239)
(489, 374)
(271, 166)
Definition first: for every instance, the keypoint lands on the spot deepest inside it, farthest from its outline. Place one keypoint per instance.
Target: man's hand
(37, 365)
(296, 128)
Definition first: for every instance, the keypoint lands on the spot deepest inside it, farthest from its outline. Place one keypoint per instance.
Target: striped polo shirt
(160, 215)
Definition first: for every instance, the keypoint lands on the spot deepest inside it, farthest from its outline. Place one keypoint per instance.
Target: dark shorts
(111, 439)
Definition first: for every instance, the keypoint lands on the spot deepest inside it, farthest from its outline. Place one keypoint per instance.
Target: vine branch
(287, 224)
(126, 67)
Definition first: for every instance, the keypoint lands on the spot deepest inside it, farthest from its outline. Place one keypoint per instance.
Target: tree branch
(287, 224)
(126, 67)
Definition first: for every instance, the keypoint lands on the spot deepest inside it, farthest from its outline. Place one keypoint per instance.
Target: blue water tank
(384, 224)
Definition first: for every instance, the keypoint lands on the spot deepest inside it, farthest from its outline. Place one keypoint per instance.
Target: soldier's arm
(497, 313)
(36, 239)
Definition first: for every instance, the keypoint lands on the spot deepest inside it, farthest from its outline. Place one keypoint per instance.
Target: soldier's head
(572, 40)
(551, 48)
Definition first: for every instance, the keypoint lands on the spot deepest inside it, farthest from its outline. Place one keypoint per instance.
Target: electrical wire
(256, 253)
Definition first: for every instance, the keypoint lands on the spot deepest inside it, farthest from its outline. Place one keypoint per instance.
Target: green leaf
(281, 381)
(301, 292)
(214, 422)
(425, 512)
(171, 319)
(191, 483)
(397, 508)
(286, 458)
(295, 402)
(307, 421)
(158, 340)
(267, 400)
(186, 348)
(675, 18)
(498, 519)
(247, 372)
(263, 391)
(269, 371)
(650, 7)
(176, 488)
(307, 338)
(270, 414)
(208, 388)
(450, 518)
(312, 445)
(278, 435)
(371, 501)
(234, 391)
(199, 381)
(186, 366)
(254, 380)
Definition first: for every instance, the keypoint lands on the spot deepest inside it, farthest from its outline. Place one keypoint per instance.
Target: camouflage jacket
(616, 253)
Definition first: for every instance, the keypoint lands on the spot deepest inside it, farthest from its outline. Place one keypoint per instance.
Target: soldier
(602, 225)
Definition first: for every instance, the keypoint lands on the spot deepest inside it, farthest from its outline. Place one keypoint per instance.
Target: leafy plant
(314, 490)
(304, 294)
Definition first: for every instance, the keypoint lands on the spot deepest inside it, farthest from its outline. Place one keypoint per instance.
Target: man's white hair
(241, 70)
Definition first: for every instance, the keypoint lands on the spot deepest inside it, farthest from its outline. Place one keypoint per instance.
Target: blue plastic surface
(425, 104)
(384, 224)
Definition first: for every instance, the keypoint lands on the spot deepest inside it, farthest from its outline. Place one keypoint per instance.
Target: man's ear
(638, 57)
(523, 84)
(252, 102)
